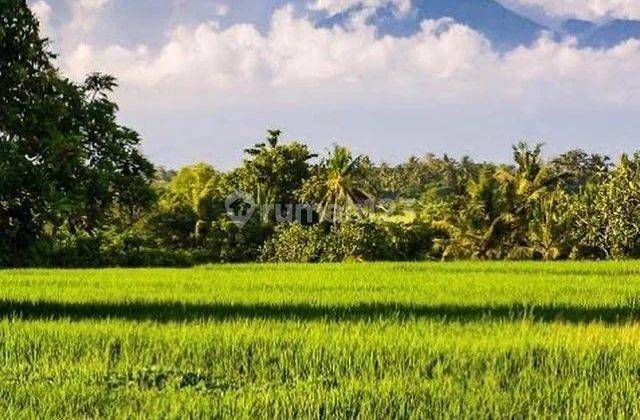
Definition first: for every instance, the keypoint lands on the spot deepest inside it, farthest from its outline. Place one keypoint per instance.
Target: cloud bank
(587, 9)
(446, 72)
(42, 10)
(444, 61)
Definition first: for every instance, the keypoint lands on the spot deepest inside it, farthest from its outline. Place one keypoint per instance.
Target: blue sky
(203, 79)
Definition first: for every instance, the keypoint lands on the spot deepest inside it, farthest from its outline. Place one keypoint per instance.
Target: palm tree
(508, 212)
(339, 184)
(477, 229)
(527, 189)
(274, 172)
(549, 229)
(273, 137)
(531, 178)
(200, 188)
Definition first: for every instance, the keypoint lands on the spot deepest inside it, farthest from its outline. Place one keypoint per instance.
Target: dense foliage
(76, 191)
(575, 206)
(67, 169)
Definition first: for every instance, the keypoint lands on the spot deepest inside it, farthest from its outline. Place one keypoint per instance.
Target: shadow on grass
(178, 312)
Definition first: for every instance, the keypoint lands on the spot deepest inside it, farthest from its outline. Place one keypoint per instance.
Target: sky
(203, 79)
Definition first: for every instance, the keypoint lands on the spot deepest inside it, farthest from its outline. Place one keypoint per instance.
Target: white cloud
(92, 4)
(42, 10)
(85, 15)
(296, 58)
(444, 61)
(442, 70)
(587, 9)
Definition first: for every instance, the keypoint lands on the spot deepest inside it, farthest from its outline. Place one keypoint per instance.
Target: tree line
(75, 190)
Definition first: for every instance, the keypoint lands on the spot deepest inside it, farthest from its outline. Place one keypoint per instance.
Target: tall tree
(608, 213)
(527, 186)
(64, 160)
(583, 168)
(198, 192)
(338, 185)
(274, 172)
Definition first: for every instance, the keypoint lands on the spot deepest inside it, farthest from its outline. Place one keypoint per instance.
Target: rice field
(424, 340)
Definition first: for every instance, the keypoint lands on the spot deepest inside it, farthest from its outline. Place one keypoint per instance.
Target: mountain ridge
(610, 34)
(503, 27)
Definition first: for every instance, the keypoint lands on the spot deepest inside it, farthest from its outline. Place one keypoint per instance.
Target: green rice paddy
(425, 340)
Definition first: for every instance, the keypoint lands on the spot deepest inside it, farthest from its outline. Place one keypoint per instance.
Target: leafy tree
(274, 172)
(199, 191)
(583, 168)
(115, 173)
(550, 227)
(338, 184)
(164, 175)
(477, 229)
(65, 163)
(32, 124)
(608, 213)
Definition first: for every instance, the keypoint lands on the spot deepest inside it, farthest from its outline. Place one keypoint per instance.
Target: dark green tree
(583, 168)
(65, 162)
(273, 172)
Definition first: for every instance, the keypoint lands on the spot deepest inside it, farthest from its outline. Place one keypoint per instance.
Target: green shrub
(355, 239)
(409, 241)
(352, 239)
(295, 243)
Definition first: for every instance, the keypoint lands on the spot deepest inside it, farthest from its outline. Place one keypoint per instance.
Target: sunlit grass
(360, 340)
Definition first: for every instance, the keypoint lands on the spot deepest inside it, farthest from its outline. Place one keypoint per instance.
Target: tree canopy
(65, 162)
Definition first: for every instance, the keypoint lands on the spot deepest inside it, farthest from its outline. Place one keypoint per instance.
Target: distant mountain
(611, 34)
(577, 27)
(505, 28)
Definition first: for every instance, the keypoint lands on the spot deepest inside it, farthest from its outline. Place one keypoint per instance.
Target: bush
(352, 239)
(356, 240)
(409, 241)
(226, 242)
(131, 249)
(295, 243)
(109, 249)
